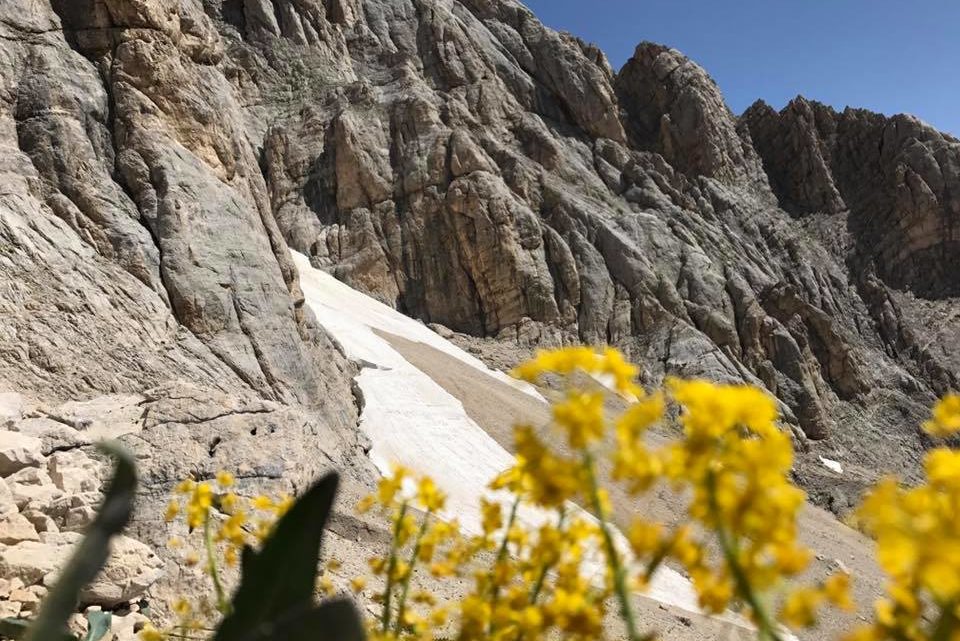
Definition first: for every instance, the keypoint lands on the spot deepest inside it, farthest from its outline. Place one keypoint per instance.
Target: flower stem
(501, 555)
(222, 605)
(767, 629)
(391, 568)
(946, 624)
(613, 557)
(502, 550)
(405, 585)
(542, 577)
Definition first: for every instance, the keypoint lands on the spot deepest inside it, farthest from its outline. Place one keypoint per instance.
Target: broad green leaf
(11, 628)
(91, 555)
(335, 620)
(98, 625)
(17, 629)
(279, 581)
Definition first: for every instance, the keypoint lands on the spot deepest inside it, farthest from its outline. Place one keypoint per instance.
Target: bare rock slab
(18, 451)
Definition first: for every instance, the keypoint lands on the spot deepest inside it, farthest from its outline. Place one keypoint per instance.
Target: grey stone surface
(898, 178)
(465, 164)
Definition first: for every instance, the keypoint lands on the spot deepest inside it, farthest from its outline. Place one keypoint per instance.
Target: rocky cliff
(472, 168)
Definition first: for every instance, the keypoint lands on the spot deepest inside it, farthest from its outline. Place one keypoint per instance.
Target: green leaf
(91, 554)
(13, 628)
(98, 625)
(279, 581)
(17, 629)
(335, 620)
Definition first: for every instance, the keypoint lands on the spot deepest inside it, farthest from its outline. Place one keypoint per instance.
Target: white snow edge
(413, 421)
(832, 465)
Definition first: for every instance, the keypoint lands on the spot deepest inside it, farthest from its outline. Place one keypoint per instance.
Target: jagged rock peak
(794, 155)
(675, 108)
(898, 177)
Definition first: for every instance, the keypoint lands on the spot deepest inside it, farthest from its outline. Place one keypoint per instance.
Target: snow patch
(413, 421)
(830, 464)
(349, 306)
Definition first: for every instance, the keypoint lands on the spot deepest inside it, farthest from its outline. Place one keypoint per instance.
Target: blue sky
(885, 55)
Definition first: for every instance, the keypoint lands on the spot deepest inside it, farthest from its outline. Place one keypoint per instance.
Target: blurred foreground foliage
(541, 557)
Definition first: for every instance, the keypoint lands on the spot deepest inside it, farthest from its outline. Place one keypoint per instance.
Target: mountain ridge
(473, 169)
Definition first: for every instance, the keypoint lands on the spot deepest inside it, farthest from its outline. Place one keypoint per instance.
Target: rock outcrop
(44, 506)
(675, 109)
(898, 177)
(463, 163)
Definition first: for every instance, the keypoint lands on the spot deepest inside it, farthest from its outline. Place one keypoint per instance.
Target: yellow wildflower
(574, 614)
(800, 608)
(837, 590)
(198, 506)
(491, 516)
(232, 529)
(438, 617)
(580, 415)
(325, 585)
(623, 373)
(185, 486)
(552, 479)
(228, 502)
(645, 538)
(946, 417)
(181, 607)
(283, 505)
(430, 497)
(173, 508)
(150, 633)
(366, 503)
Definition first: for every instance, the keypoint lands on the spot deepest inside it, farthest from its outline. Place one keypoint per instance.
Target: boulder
(9, 585)
(33, 487)
(53, 434)
(29, 597)
(9, 609)
(18, 451)
(131, 569)
(7, 503)
(127, 626)
(15, 528)
(32, 561)
(73, 471)
(11, 407)
(40, 521)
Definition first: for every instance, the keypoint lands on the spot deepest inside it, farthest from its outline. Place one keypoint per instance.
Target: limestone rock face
(676, 109)
(898, 177)
(141, 266)
(455, 159)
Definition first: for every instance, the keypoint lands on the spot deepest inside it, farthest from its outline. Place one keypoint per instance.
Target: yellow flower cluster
(738, 540)
(946, 417)
(735, 460)
(531, 584)
(565, 362)
(417, 539)
(225, 523)
(732, 460)
(917, 531)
